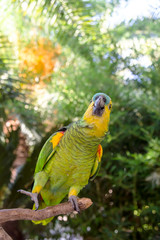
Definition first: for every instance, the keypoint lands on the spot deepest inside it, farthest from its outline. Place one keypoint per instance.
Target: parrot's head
(98, 114)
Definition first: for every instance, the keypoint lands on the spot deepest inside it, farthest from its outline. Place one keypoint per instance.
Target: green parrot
(71, 156)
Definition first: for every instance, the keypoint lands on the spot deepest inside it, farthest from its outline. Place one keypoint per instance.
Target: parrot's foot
(74, 202)
(33, 196)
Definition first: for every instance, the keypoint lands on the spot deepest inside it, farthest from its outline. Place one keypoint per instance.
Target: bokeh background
(54, 55)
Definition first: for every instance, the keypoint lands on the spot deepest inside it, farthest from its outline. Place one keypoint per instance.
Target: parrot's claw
(33, 196)
(74, 202)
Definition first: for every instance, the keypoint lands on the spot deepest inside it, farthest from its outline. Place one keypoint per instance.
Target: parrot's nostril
(104, 99)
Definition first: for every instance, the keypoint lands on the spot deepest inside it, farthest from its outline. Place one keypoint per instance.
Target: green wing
(47, 151)
(97, 163)
(95, 169)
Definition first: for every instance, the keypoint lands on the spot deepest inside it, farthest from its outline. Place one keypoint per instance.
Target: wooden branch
(4, 235)
(28, 214)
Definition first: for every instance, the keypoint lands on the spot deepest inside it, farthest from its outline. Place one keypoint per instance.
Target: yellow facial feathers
(99, 123)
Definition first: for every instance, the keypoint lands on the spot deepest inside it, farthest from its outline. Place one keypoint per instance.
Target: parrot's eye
(110, 106)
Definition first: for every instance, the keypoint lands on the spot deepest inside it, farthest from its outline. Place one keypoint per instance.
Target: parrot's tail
(45, 221)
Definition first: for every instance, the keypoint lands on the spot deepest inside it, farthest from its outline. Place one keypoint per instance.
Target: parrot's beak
(99, 106)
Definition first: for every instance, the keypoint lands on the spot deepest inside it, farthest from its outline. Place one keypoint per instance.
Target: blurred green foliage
(94, 59)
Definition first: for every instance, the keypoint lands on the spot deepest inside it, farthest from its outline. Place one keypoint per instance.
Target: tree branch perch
(28, 214)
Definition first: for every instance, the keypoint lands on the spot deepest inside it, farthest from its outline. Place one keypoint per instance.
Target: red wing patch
(99, 152)
(56, 139)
